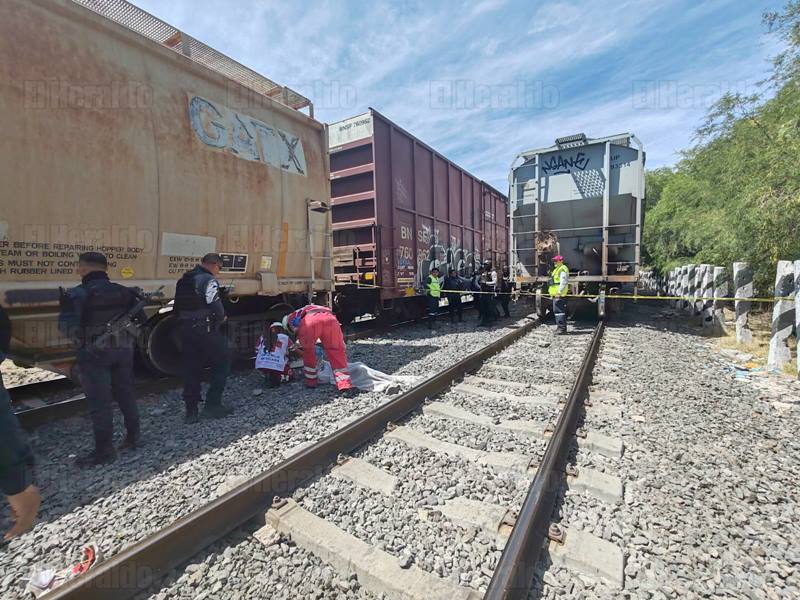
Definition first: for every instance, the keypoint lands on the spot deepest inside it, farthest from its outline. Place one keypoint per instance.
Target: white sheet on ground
(367, 379)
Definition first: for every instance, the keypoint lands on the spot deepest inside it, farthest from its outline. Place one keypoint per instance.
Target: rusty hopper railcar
(581, 198)
(400, 208)
(124, 135)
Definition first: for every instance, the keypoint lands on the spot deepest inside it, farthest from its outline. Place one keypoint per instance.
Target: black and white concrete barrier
(743, 288)
(698, 289)
(684, 289)
(671, 283)
(782, 317)
(675, 281)
(698, 296)
(797, 311)
(676, 273)
(720, 292)
(707, 295)
(691, 278)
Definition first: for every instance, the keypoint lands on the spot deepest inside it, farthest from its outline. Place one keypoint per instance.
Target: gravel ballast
(710, 468)
(409, 523)
(182, 467)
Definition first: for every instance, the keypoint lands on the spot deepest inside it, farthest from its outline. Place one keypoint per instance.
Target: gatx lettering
(246, 137)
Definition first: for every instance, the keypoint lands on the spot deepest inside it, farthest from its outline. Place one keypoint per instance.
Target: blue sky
(482, 80)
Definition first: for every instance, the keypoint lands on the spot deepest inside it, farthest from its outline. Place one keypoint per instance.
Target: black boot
(216, 411)
(96, 457)
(192, 416)
(131, 441)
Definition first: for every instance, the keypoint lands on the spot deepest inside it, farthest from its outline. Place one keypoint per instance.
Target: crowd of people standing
(490, 290)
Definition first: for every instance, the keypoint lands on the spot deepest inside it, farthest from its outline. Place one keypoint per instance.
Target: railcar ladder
(316, 206)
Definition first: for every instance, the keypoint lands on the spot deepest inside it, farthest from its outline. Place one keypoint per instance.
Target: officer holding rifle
(200, 313)
(101, 318)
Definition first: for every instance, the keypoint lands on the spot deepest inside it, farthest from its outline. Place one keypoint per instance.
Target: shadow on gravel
(168, 443)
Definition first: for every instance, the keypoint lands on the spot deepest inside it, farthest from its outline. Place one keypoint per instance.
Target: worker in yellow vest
(559, 281)
(433, 287)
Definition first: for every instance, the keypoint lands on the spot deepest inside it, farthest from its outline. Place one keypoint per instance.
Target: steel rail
(514, 575)
(137, 567)
(31, 418)
(384, 328)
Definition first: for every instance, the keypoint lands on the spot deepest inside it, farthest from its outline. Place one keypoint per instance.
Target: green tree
(735, 195)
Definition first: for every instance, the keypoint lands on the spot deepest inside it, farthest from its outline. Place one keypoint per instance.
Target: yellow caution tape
(589, 296)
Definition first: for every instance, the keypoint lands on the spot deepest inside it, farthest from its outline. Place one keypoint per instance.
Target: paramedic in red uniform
(312, 323)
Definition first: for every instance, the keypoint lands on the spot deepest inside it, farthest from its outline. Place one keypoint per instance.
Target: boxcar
(581, 198)
(124, 135)
(400, 208)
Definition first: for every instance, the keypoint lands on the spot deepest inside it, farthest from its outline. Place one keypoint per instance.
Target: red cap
(558, 257)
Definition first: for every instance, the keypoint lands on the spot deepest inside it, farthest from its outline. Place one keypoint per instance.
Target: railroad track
(584, 536)
(39, 403)
(448, 435)
(37, 393)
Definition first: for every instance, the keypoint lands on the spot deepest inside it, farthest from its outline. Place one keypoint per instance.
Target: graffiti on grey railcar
(559, 165)
(246, 137)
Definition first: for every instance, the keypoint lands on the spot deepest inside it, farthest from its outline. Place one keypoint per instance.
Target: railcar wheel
(160, 347)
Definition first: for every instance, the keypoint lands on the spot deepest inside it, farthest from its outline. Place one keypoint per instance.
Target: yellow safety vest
(555, 277)
(434, 287)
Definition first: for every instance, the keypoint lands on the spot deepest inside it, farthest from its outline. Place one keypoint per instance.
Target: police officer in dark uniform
(105, 362)
(16, 457)
(505, 287)
(488, 285)
(453, 284)
(200, 313)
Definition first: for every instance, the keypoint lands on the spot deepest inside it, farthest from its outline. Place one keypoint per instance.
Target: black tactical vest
(105, 302)
(190, 302)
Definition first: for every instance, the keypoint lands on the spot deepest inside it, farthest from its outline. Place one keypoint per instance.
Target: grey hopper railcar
(581, 198)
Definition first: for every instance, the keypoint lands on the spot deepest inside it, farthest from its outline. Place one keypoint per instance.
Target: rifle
(124, 323)
(225, 292)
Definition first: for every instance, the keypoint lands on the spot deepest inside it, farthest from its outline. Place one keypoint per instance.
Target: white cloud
(485, 6)
(555, 15)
